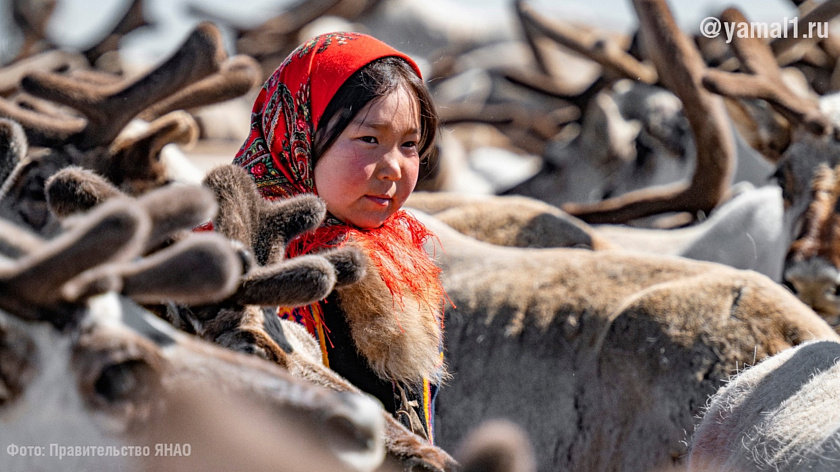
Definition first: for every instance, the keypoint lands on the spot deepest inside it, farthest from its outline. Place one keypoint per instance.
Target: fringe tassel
(395, 249)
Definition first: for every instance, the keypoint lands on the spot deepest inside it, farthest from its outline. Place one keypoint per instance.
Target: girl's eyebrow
(381, 126)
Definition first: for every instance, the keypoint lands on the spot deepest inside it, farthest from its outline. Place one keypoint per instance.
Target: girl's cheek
(412, 173)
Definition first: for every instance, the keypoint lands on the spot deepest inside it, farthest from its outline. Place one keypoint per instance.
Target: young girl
(348, 118)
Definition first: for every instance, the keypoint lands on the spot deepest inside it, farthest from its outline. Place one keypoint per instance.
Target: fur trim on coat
(400, 341)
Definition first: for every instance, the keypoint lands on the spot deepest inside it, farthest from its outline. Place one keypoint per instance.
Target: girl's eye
(369, 139)
(410, 144)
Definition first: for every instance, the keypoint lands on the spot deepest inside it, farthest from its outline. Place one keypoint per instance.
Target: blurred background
(521, 87)
(80, 23)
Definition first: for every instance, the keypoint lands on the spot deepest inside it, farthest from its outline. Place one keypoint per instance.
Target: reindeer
(778, 414)
(752, 230)
(83, 365)
(634, 343)
(803, 169)
(246, 320)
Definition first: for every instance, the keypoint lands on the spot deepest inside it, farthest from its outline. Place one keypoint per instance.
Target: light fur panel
(400, 341)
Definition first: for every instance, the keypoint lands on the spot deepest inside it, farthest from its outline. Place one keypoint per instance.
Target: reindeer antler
(788, 48)
(763, 81)
(276, 37)
(52, 60)
(13, 148)
(131, 20)
(268, 226)
(199, 56)
(238, 75)
(32, 18)
(599, 49)
(680, 69)
(172, 208)
(33, 286)
(263, 226)
(99, 252)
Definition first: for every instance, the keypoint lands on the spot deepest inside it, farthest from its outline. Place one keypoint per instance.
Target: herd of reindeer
(660, 293)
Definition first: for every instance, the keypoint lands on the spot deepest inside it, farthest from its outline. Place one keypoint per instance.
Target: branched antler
(599, 49)
(115, 232)
(201, 55)
(763, 81)
(51, 279)
(262, 227)
(791, 47)
(681, 70)
(52, 60)
(130, 21)
(238, 75)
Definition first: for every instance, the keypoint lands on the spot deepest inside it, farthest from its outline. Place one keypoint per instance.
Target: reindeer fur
(634, 345)
(514, 221)
(776, 415)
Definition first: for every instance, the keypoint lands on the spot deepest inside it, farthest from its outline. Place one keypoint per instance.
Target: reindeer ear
(298, 281)
(76, 190)
(282, 220)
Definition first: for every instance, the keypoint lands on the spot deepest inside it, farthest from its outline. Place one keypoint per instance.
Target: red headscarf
(278, 155)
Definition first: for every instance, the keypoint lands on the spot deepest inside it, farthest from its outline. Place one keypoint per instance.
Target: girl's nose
(390, 166)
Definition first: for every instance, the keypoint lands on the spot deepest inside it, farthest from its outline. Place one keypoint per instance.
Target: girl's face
(371, 169)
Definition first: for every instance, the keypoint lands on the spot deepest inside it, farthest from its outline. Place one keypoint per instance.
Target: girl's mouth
(382, 201)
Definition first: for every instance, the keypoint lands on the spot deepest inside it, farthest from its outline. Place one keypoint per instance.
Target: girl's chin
(369, 221)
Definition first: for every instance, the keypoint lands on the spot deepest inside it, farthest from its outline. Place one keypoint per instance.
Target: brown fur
(399, 343)
(514, 221)
(247, 335)
(604, 357)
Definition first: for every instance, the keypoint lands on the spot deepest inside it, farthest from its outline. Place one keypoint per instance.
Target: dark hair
(375, 80)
